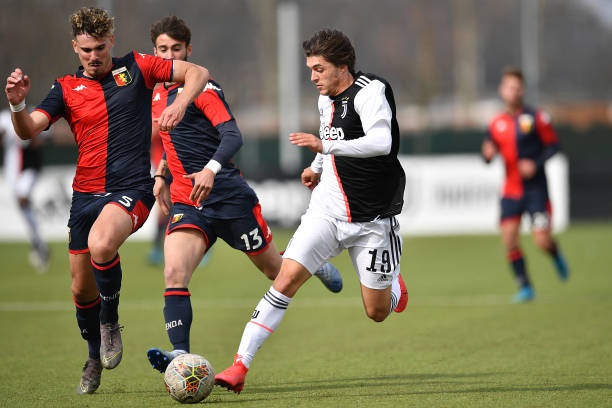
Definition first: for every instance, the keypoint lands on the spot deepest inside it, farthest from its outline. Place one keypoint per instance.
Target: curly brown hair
(93, 21)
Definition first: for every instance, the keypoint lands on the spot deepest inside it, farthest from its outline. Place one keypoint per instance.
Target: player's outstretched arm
(27, 125)
(310, 178)
(488, 150)
(203, 182)
(161, 191)
(195, 78)
(527, 168)
(310, 141)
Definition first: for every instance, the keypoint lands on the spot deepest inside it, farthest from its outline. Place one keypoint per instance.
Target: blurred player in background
(107, 104)
(208, 198)
(156, 253)
(358, 185)
(525, 139)
(22, 164)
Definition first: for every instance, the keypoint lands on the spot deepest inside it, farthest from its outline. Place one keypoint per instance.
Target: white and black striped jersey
(362, 178)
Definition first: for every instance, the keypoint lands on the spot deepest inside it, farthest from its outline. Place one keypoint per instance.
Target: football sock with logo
(265, 319)
(88, 319)
(178, 316)
(108, 277)
(517, 262)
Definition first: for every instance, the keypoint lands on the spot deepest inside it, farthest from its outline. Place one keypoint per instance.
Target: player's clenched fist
(17, 86)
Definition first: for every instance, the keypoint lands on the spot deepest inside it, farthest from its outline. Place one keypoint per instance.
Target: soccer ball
(189, 378)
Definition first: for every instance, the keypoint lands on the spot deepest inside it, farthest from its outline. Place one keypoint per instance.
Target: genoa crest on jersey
(122, 76)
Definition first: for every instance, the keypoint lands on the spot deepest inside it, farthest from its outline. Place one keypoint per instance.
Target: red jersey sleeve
(545, 129)
(213, 107)
(493, 130)
(154, 69)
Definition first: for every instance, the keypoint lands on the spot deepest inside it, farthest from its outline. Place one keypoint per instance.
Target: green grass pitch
(460, 343)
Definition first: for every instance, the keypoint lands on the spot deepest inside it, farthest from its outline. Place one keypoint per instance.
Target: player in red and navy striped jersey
(208, 199)
(107, 104)
(525, 139)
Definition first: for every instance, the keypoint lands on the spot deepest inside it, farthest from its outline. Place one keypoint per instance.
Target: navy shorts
(86, 207)
(534, 202)
(238, 221)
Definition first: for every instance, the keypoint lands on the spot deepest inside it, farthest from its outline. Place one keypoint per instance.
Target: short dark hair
(515, 72)
(173, 27)
(93, 21)
(333, 45)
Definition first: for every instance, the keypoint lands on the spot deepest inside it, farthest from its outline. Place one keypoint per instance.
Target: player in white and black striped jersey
(361, 177)
(358, 186)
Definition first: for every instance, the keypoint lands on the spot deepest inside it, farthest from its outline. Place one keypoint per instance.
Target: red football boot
(233, 377)
(403, 300)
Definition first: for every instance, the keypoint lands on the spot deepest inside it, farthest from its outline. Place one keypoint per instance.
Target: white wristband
(213, 166)
(17, 108)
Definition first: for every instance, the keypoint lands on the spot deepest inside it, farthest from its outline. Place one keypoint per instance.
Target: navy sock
(108, 277)
(178, 316)
(555, 252)
(88, 319)
(517, 262)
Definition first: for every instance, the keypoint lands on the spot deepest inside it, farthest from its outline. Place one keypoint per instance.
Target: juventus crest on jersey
(363, 188)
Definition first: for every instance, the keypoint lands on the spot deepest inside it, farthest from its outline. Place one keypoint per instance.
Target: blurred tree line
(442, 57)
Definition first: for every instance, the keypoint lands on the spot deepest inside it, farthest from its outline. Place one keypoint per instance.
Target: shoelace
(114, 329)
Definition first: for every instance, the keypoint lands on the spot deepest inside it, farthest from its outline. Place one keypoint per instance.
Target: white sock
(30, 218)
(396, 292)
(265, 319)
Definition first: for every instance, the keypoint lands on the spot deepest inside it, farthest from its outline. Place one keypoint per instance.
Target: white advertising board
(459, 194)
(454, 194)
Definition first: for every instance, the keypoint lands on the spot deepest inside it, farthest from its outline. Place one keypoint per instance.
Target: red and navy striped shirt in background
(528, 135)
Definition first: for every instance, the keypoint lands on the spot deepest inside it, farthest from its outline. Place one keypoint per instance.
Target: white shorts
(23, 184)
(375, 247)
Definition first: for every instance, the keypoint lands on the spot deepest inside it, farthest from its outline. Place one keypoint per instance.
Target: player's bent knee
(83, 294)
(544, 243)
(378, 315)
(104, 251)
(176, 278)
(270, 273)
